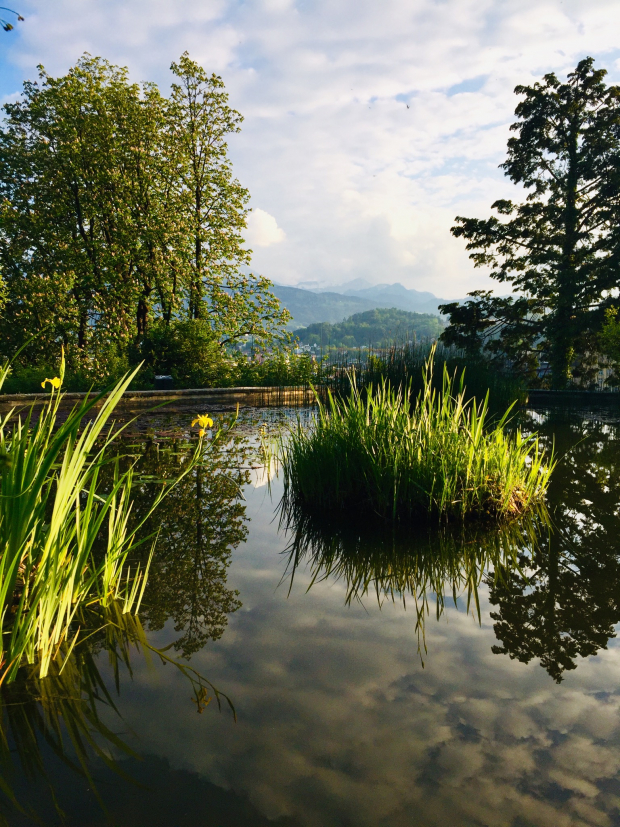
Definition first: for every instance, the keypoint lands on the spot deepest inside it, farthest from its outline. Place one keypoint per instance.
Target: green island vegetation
(382, 453)
(373, 328)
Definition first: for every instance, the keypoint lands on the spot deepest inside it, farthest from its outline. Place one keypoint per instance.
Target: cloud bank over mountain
(368, 126)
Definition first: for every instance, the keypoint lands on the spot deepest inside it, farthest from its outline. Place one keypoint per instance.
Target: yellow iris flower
(204, 421)
(55, 382)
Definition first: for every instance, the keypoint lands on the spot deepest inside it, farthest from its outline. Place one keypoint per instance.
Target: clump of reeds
(65, 540)
(384, 452)
(402, 365)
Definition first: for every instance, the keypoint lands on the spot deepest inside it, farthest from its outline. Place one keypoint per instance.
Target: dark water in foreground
(352, 708)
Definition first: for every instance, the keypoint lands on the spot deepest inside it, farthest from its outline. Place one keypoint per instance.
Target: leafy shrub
(187, 351)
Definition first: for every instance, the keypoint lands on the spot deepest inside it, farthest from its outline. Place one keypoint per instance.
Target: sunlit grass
(65, 540)
(381, 451)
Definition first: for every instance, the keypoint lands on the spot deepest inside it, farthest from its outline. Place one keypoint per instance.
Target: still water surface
(361, 700)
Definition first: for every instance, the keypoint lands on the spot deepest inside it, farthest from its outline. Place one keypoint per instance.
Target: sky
(368, 125)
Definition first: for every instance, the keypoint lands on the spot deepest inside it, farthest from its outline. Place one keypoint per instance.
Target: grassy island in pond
(379, 451)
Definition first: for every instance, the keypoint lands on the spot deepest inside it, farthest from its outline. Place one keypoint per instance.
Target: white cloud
(368, 187)
(263, 230)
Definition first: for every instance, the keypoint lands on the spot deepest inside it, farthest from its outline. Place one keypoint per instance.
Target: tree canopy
(559, 249)
(118, 207)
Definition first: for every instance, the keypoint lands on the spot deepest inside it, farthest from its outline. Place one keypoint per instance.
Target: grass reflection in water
(63, 713)
(412, 565)
(66, 712)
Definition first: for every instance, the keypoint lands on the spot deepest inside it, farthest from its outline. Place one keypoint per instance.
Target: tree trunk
(564, 327)
(196, 299)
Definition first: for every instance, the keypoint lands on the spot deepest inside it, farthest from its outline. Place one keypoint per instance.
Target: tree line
(120, 215)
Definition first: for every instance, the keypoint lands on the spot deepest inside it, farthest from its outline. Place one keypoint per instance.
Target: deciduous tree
(119, 207)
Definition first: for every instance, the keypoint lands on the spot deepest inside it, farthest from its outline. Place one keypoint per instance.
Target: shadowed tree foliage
(559, 249)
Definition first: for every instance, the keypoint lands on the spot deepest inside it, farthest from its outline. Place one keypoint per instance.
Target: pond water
(360, 697)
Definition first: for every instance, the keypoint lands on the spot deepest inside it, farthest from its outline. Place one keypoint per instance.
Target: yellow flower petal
(204, 420)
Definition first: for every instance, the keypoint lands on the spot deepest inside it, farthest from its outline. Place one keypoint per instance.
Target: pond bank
(204, 399)
(191, 399)
(572, 399)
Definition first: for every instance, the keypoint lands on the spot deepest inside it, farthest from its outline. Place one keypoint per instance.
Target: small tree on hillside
(559, 249)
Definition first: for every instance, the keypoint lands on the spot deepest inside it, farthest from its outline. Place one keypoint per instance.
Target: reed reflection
(415, 566)
(66, 715)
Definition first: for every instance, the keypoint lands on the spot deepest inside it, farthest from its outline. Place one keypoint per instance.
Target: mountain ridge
(310, 305)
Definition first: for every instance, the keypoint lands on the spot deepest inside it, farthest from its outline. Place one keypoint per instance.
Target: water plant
(66, 541)
(402, 365)
(399, 457)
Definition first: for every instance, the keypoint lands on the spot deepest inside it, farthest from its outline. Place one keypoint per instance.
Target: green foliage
(376, 453)
(609, 342)
(64, 542)
(375, 328)
(403, 366)
(189, 352)
(558, 249)
(118, 207)
(278, 369)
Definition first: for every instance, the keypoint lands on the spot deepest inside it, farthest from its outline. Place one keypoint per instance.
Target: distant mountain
(386, 295)
(378, 328)
(308, 307)
(397, 295)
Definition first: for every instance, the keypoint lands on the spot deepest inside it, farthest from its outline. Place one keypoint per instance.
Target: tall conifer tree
(559, 249)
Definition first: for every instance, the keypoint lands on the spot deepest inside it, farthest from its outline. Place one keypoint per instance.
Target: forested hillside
(375, 328)
(308, 308)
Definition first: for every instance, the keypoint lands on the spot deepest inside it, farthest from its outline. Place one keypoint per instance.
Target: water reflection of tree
(563, 601)
(204, 519)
